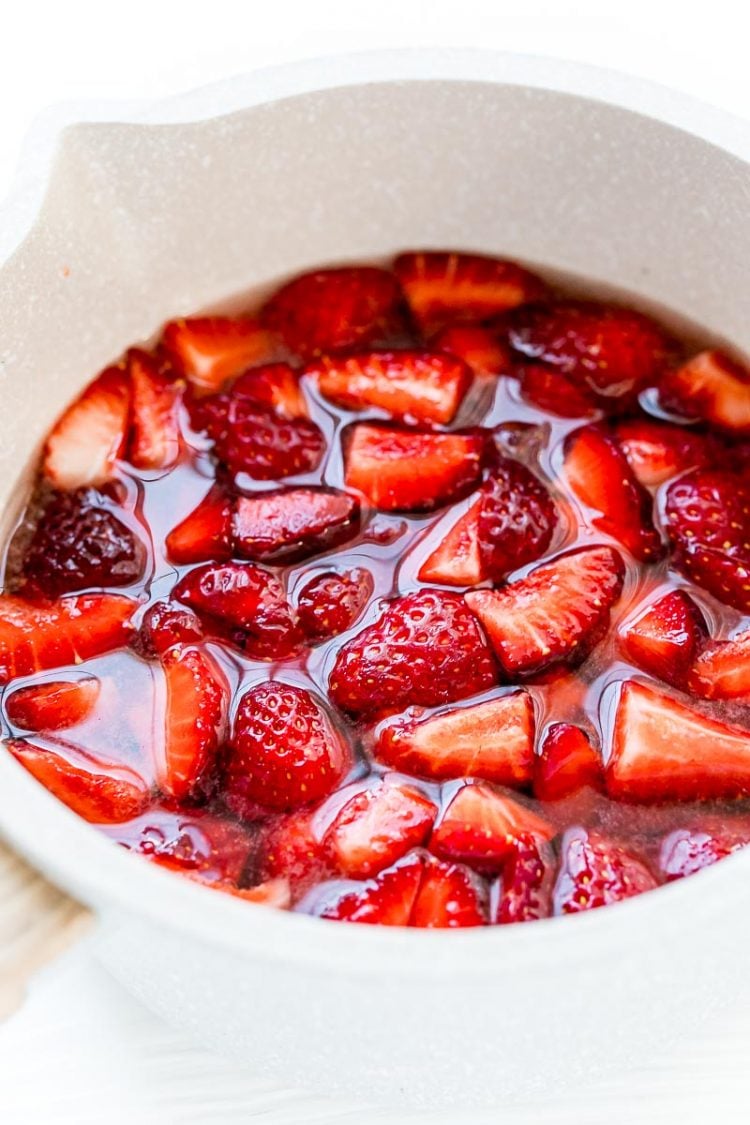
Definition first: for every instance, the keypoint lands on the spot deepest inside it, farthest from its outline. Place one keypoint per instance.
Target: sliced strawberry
(100, 792)
(551, 391)
(556, 614)
(524, 892)
(276, 385)
(154, 435)
(166, 624)
(457, 560)
(410, 471)
(483, 828)
(664, 638)
(444, 286)
(413, 386)
(195, 719)
(449, 897)
(688, 850)
(600, 476)
(477, 347)
(377, 827)
(596, 872)
(663, 750)
(210, 350)
(708, 522)
(713, 387)
(657, 451)
(85, 443)
(290, 848)
(330, 603)
(424, 650)
(206, 533)
(36, 637)
(386, 900)
(285, 751)
(332, 309)
(214, 849)
(722, 669)
(567, 762)
(53, 705)
(293, 523)
(492, 740)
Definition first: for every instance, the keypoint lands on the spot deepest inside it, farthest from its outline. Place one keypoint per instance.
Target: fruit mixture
(418, 596)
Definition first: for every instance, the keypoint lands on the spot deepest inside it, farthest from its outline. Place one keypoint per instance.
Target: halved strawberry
(553, 392)
(386, 900)
(36, 637)
(708, 522)
(492, 740)
(291, 524)
(85, 443)
(479, 348)
(195, 719)
(166, 624)
(483, 828)
(524, 891)
(54, 704)
(210, 350)
(713, 387)
(657, 451)
(687, 850)
(450, 896)
(330, 603)
(290, 848)
(596, 872)
(154, 435)
(378, 826)
(600, 476)
(276, 385)
(100, 792)
(410, 471)
(555, 614)
(414, 386)
(566, 763)
(663, 750)
(664, 638)
(722, 669)
(444, 286)
(332, 309)
(206, 533)
(285, 751)
(457, 559)
(424, 650)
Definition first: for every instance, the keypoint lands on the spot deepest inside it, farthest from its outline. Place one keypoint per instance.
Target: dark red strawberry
(546, 388)
(450, 896)
(712, 387)
(425, 649)
(664, 638)
(595, 872)
(290, 848)
(657, 451)
(330, 603)
(386, 900)
(722, 669)
(566, 763)
(708, 522)
(291, 524)
(285, 751)
(154, 429)
(378, 826)
(166, 624)
(483, 828)
(275, 385)
(206, 533)
(598, 472)
(411, 471)
(85, 443)
(210, 350)
(663, 750)
(332, 309)
(79, 543)
(54, 704)
(492, 740)
(524, 892)
(554, 615)
(444, 286)
(197, 697)
(688, 850)
(478, 347)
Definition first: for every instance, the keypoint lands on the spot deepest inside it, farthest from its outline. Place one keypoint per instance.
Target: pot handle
(37, 923)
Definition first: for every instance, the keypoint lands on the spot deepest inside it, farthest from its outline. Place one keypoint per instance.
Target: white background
(81, 1051)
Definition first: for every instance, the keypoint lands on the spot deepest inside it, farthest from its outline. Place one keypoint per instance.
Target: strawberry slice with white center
(664, 638)
(386, 900)
(210, 350)
(657, 451)
(713, 387)
(492, 740)
(596, 872)
(554, 615)
(478, 347)
(376, 827)
(483, 828)
(524, 891)
(663, 750)
(291, 524)
(195, 719)
(566, 763)
(53, 705)
(206, 533)
(722, 669)
(85, 444)
(450, 896)
(155, 438)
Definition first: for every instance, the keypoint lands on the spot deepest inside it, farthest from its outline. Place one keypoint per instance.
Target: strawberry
(524, 892)
(449, 897)
(483, 828)
(411, 471)
(663, 750)
(154, 434)
(206, 533)
(100, 792)
(332, 309)
(195, 719)
(554, 615)
(34, 638)
(285, 751)
(443, 286)
(411, 386)
(567, 762)
(608, 351)
(493, 740)
(245, 604)
(457, 560)
(712, 387)
(290, 848)
(210, 350)
(292, 524)
(378, 826)
(54, 704)
(554, 393)
(477, 347)
(657, 451)
(386, 900)
(595, 872)
(722, 669)
(664, 638)
(330, 603)
(707, 516)
(598, 473)
(687, 850)
(166, 624)
(275, 385)
(84, 445)
(425, 649)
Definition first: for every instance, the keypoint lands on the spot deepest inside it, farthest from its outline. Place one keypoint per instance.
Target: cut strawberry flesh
(665, 637)
(210, 350)
(722, 669)
(386, 900)
(54, 704)
(596, 872)
(712, 387)
(656, 451)
(289, 847)
(554, 393)
(275, 385)
(83, 447)
(566, 763)
(154, 437)
(483, 828)
(293, 524)
(457, 560)
(478, 347)
(206, 533)
(195, 719)
(449, 897)
(377, 827)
